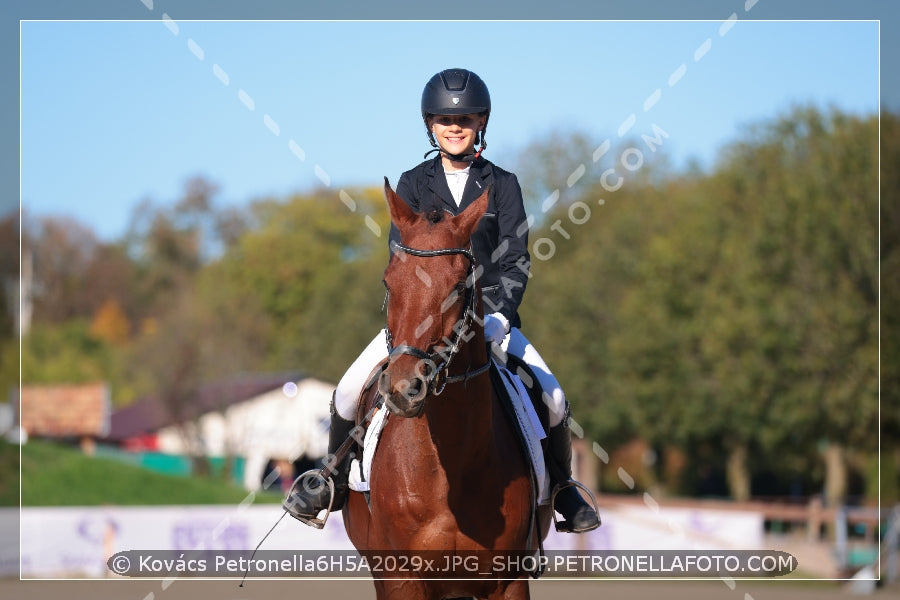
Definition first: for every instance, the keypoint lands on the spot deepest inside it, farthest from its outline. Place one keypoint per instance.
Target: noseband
(439, 360)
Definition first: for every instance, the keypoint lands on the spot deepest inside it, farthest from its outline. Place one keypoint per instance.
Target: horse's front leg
(516, 590)
(400, 589)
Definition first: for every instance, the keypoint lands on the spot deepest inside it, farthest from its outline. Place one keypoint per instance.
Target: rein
(439, 360)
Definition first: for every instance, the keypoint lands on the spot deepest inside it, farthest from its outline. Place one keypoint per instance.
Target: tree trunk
(737, 473)
(835, 475)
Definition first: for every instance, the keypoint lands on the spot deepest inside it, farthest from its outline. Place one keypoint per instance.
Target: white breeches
(351, 384)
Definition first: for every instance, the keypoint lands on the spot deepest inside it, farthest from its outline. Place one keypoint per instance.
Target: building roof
(65, 410)
(150, 414)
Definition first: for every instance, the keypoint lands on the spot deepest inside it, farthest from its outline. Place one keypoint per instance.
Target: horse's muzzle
(404, 396)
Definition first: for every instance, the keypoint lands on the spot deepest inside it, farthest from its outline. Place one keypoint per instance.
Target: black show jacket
(500, 243)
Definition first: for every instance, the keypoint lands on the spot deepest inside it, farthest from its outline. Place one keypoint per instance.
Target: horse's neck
(464, 411)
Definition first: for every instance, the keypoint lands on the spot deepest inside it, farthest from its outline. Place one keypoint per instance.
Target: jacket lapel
(437, 185)
(480, 175)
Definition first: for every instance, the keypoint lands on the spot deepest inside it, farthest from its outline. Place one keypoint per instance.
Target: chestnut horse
(448, 478)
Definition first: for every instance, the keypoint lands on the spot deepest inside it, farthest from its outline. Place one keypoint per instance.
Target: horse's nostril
(415, 388)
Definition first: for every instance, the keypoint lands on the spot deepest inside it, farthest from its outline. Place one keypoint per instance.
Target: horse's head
(432, 299)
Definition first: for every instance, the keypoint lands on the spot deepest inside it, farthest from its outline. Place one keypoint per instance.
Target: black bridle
(439, 360)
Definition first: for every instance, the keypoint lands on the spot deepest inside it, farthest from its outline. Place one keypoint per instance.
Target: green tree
(62, 250)
(545, 164)
(756, 328)
(9, 278)
(584, 280)
(67, 352)
(890, 301)
(170, 245)
(315, 267)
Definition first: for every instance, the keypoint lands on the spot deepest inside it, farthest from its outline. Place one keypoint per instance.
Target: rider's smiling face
(456, 133)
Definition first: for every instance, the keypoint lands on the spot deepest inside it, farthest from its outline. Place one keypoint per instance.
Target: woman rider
(456, 106)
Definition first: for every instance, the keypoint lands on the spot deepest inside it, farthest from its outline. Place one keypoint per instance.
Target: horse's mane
(434, 215)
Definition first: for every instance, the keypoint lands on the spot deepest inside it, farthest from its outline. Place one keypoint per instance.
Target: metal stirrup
(560, 487)
(313, 521)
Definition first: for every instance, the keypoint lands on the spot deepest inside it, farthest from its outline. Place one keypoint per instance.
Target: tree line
(733, 319)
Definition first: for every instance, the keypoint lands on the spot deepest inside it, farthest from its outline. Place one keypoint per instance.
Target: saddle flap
(529, 430)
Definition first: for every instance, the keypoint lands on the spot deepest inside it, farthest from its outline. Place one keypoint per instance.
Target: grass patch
(59, 475)
(9, 474)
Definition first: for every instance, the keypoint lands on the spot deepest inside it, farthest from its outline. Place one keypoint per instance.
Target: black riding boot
(578, 515)
(310, 493)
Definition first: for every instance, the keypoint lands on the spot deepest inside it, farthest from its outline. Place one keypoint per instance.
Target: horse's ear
(467, 221)
(401, 214)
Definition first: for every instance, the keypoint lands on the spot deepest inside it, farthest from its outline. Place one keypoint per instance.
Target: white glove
(496, 326)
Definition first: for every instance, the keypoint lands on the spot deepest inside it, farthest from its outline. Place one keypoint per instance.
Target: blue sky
(116, 112)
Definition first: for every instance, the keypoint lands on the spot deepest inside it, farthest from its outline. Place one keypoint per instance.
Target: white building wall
(284, 423)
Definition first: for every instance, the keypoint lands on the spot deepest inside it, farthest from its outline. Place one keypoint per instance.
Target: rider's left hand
(496, 326)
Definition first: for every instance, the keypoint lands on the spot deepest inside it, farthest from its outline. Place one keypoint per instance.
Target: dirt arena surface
(362, 590)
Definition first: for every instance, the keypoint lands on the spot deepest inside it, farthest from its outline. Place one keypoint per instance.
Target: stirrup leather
(311, 521)
(565, 526)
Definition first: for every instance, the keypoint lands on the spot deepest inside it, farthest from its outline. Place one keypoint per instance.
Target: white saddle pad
(360, 472)
(529, 423)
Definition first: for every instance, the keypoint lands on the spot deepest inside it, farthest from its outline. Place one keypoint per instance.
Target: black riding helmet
(456, 92)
